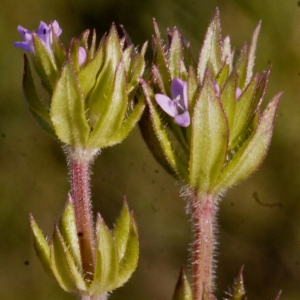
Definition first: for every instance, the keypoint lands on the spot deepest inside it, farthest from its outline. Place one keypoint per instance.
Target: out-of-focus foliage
(259, 221)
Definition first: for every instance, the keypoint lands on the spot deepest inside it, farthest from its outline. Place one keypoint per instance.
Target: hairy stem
(203, 215)
(80, 181)
(100, 297)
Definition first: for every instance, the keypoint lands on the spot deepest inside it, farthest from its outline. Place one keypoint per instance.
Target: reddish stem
(203, 215)
(80, 181)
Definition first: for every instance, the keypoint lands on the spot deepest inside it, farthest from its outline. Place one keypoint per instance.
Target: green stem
(80, 182)
(203, 217)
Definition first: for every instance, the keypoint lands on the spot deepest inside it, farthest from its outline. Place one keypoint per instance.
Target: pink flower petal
(183, 119)
(166, 104)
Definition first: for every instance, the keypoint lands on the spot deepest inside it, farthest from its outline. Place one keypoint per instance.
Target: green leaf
(228, 99)
(128, 263)
(101, 94)
(153, 143)
(183, 289)
(177, 164)
(121, 229)
(45, 64)
(41, 246)
(251, 53)
(137, 66)
(68, 109)
(36, 107)
(175, 54)
(192, 90)
(227, 54)
(160, 60)
(260, 91)
(158, 79)
(144, 48)
(127, 54)
(210, 55)
(64, 267)
(183, 73)
(91, 51)
(113, 114)
(188, 55)
(74, 54)
(209, 138)
(113, 52)
(107, 263)
(88, 74)
(68, 230)
(192, 98)
(222, 76)
(58, 50)
(128, 124)
(242, 113)
(83, 39)
(241, 66)
(253, 154)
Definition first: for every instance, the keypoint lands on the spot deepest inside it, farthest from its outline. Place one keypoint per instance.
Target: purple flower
(177, 107)
(44, 32)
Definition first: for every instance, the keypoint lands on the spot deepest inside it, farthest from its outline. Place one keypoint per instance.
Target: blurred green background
(33, 174)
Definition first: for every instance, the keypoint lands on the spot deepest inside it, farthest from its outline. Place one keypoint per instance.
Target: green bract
(228, 136)
(117, 253)
(183, 289)
(238, 292)
(91, 105)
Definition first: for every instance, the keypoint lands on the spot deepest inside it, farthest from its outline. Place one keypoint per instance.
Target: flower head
(44, 32)
(177, 107)
(224, 136)
(76, 79)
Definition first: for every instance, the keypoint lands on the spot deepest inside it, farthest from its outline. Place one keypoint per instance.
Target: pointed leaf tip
(238, 292)
(250, 157)
(183, 289)
(68, 230)
(251, 53)
(107, 264)
(122, 229)
(35, 104)
(41, 246)
(209, 138)
(67, 273)
(210, 54)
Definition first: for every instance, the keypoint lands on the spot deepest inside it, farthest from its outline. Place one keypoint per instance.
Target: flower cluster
(91, 89)
(204, 123)
(44, 33)
(91, 105)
